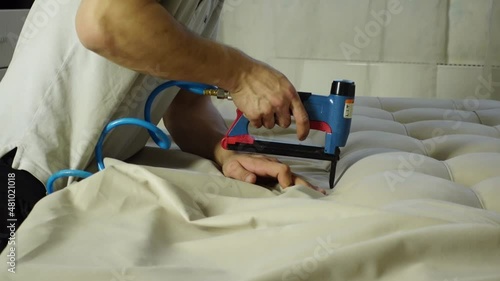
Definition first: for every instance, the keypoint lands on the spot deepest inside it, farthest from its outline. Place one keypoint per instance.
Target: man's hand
(267, 97)
(250, 167)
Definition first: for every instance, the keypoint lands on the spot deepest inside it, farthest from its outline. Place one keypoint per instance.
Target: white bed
(417, 198)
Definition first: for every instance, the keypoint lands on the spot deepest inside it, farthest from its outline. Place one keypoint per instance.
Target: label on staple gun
(348, 109)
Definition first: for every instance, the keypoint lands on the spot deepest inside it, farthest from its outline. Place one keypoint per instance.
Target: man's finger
(257, 123)
(301, 118)
(236, 171)
(283, 118)
(285, 177)
(301, 181)
(264, 168)
(269, 121)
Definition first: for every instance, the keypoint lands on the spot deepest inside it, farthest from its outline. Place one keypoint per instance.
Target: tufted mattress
(417, 197)
(412, 148)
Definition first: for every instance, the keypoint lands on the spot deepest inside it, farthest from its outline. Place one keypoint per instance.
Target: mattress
(417, 197)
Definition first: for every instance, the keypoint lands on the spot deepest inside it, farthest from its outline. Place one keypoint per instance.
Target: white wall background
(429, 48)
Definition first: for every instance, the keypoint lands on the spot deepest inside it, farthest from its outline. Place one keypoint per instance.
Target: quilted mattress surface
(415, 148)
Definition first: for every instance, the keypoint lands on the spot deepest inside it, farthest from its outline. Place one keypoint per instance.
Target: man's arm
(196, 126)
(143, 36)
(201, 134)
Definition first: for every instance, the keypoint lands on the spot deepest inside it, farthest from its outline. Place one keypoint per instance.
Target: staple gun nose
(331, 114)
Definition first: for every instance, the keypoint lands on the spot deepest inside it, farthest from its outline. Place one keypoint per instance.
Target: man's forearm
(143, 36)
(196, 126)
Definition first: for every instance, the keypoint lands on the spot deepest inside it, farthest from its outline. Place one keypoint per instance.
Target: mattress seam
(478, 118)
(452, 178)
(380, 103)
(498, 129)
(406, 130)
(392, 115)
(479, 198)
(425, 149)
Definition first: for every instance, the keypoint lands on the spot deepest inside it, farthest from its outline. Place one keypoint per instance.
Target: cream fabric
(417, 198)
(57, 96)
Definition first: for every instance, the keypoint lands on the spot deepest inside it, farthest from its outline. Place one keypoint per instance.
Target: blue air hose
(159, 137)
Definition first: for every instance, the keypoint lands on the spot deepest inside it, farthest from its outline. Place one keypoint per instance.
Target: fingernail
(249, 179)
(320, 190)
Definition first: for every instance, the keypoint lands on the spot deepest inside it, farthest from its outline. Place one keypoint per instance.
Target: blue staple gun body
(331, 114)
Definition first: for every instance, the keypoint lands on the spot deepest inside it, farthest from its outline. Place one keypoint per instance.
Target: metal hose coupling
(219, 93)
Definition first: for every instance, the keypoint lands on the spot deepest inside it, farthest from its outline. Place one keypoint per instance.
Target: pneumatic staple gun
(331, 114)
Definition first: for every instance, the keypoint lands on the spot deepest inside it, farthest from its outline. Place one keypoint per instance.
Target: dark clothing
(19, 192)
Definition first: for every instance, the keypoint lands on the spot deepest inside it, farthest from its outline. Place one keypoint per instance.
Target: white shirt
(57, 96)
